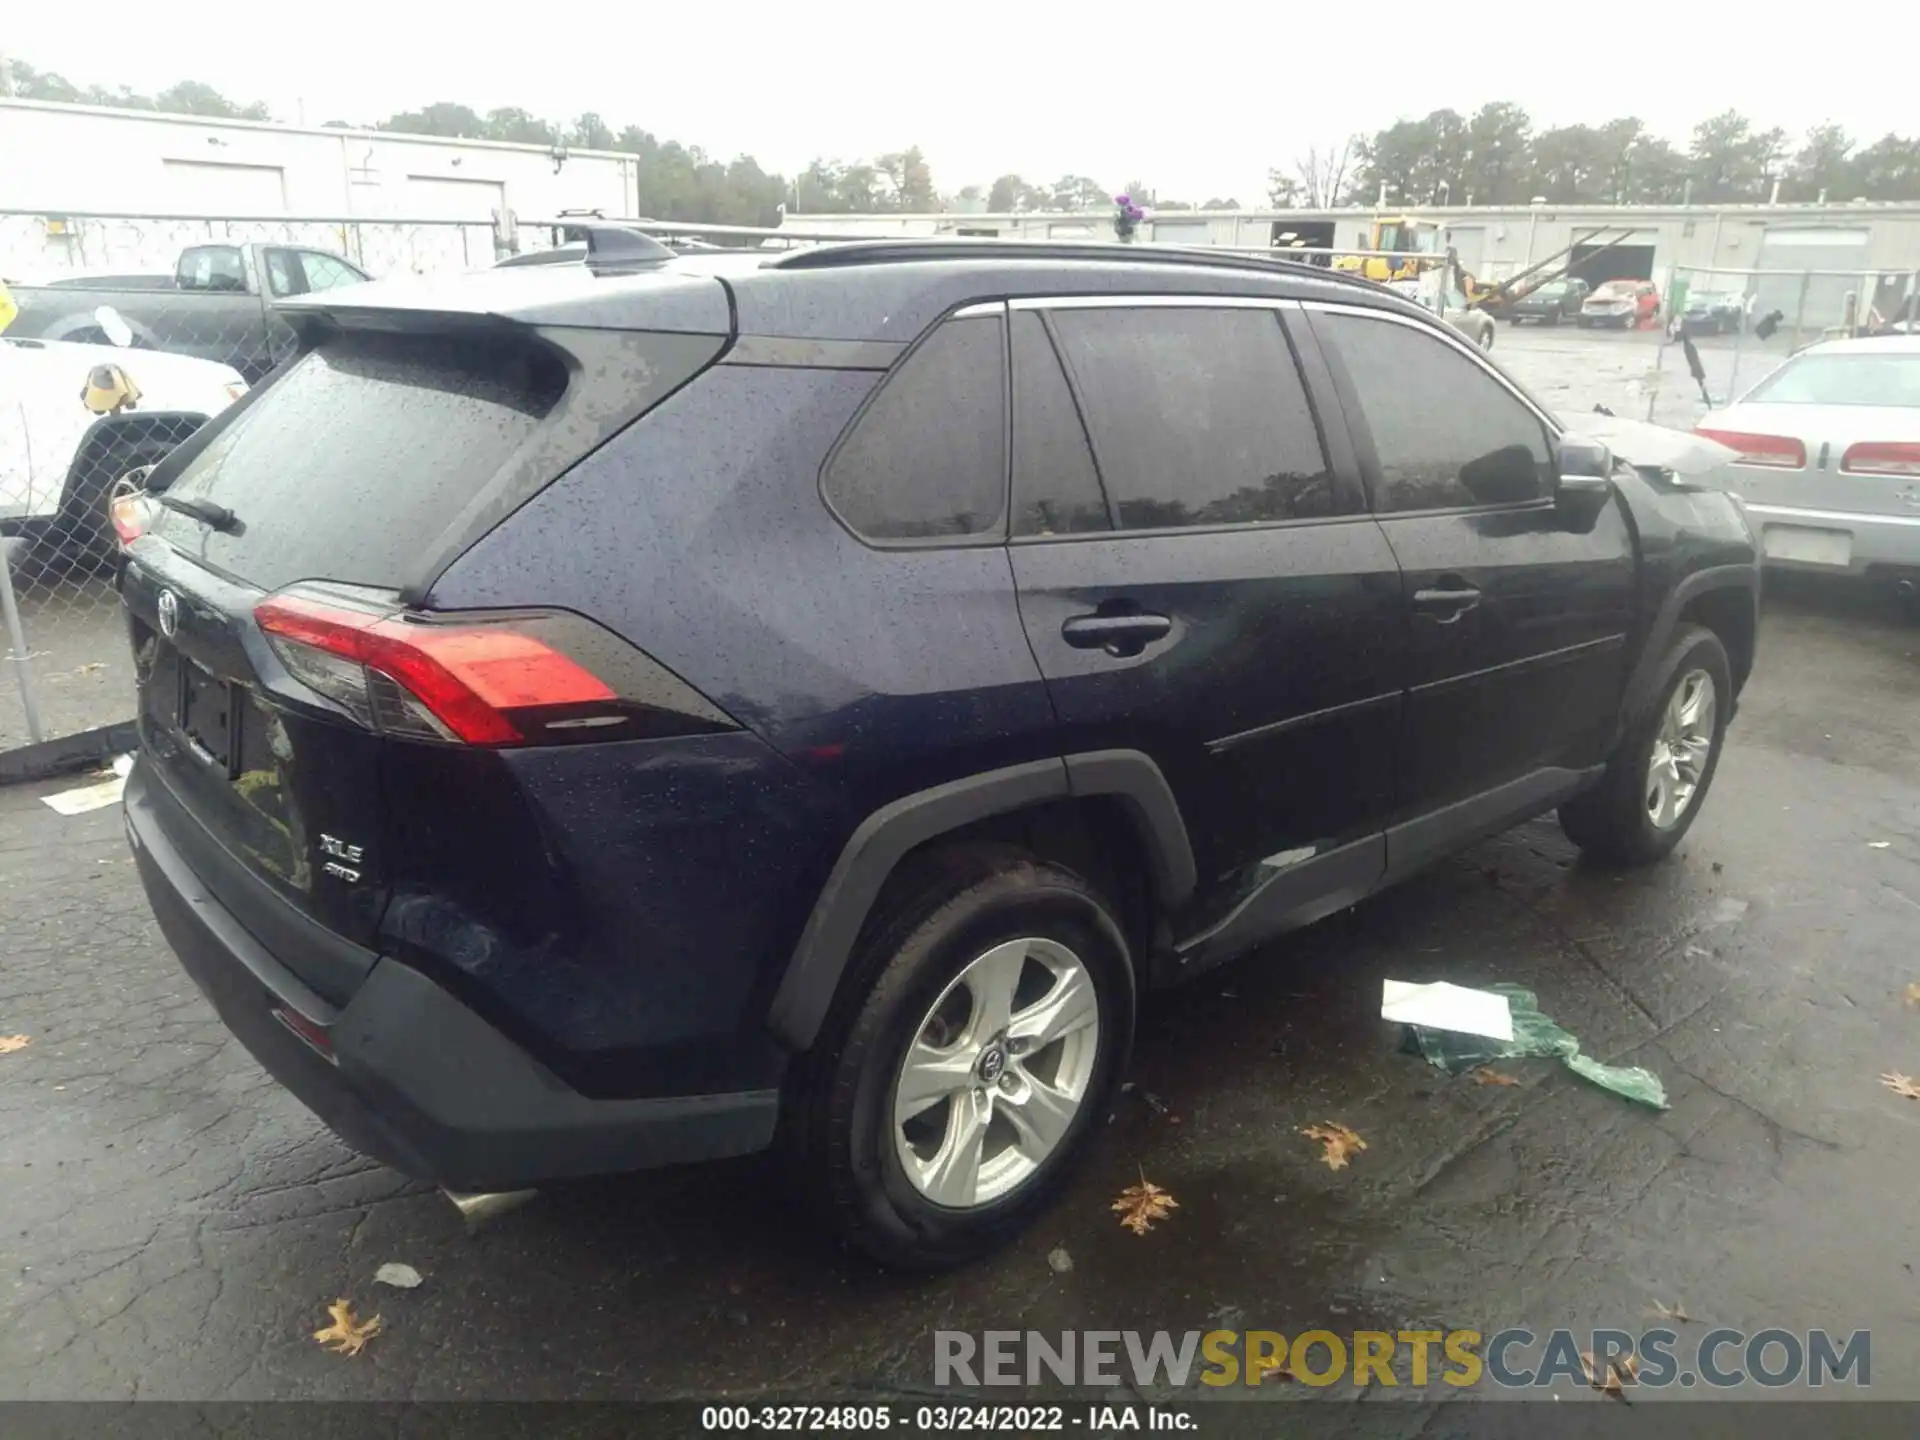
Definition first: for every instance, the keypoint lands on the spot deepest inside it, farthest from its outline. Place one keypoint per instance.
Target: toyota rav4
(617, 713)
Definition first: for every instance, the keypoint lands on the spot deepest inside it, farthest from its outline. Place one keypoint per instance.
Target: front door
(1516, 613)
(1199, 583)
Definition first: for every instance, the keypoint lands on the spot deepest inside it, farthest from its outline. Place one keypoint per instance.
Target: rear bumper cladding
(416, 1079)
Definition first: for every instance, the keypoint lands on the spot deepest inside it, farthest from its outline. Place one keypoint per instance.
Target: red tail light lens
(1781, 452)
(1883, 457)
(131, 515)
(474, 684)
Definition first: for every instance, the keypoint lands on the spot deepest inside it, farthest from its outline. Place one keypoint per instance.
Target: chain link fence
(70, 672)
(1723, 331)
(181, 314)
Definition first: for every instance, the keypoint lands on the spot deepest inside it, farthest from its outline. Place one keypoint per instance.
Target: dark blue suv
(608, 714)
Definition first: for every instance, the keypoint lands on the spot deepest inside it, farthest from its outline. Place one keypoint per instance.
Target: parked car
(1712, 312)
(1476, 324)
(1550, 303)
(1625, 303)
(593, 720)
(60, 455)
(1829, 459)
(222, 304)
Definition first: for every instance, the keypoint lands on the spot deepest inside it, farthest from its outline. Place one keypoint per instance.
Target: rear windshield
(349, 465)
(1864, 379)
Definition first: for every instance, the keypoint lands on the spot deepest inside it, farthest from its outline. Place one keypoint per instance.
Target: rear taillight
(513, 679)
(1883, 457)
(1781, 452)
(131, 515)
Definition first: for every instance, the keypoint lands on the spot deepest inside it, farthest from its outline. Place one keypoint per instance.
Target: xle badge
(339, 849)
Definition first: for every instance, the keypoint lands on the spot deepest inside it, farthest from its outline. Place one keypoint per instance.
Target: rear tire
(922, 1015)
(1618, 822)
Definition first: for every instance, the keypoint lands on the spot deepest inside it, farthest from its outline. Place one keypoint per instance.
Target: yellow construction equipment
(1421, 245)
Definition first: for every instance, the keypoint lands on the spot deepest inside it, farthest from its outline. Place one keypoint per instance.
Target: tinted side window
(1446, 433)
(1197, 417)
(1055, 487)
(928, 457)
(283, 274)
(326, 272)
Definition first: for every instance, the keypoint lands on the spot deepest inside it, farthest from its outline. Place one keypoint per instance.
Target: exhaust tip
(480, 1208)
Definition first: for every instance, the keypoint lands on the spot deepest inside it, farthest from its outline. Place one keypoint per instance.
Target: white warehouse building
(1783, 255)
(71, 169)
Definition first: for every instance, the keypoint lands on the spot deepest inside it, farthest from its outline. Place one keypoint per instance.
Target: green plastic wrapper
(1536, 1035)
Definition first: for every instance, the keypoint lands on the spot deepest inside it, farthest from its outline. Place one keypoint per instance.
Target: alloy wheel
(996, 1073)
(1681, 748)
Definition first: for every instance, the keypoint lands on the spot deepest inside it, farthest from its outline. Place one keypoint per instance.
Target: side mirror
(1582, 468)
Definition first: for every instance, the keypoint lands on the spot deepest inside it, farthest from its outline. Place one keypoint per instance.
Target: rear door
(1198, 576)
(1515, 613)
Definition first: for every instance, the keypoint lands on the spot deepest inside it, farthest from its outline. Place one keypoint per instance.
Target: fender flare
(1645, 676)
(885, 837)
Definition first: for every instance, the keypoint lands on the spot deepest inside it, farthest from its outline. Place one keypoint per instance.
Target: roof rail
(887, 252)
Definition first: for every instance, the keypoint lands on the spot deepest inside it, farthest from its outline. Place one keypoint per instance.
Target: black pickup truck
(221, 304)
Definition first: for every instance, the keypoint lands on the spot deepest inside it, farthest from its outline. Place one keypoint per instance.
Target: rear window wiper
(218, 516)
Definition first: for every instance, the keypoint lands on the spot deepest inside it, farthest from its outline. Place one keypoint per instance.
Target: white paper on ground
(87, 797)
(1445, 1006)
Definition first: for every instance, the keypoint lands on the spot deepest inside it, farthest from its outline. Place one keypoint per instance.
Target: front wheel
(1658, 776)
(1486, 337)
(941, 1114)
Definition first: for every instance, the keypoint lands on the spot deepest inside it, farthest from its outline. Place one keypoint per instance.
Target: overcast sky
(1197, 100)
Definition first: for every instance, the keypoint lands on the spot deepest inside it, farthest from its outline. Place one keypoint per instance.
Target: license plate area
(195, 704)
(1808, 546)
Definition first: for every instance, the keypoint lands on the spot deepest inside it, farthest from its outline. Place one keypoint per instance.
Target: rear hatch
(284, 660)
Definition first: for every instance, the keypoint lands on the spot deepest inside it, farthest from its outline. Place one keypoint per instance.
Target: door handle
(1119, 635)
(1447, 601)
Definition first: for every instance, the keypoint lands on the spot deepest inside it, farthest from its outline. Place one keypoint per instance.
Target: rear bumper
(1875, 542)
(416, 1079)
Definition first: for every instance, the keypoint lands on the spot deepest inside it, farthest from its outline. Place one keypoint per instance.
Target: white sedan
(75, 418)
(1828, 459)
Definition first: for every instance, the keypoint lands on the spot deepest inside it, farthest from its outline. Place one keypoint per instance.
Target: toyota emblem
(169, 614)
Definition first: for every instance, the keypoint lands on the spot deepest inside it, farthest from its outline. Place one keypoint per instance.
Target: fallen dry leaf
(346, 1335)
(1901, 1084)
(1341, 1143)
(11, 1043)
(1487, 1075)
(1140, 1205)
(1621, 1372)
(1261, 1367)
(1913, 993)
(1678, 1311)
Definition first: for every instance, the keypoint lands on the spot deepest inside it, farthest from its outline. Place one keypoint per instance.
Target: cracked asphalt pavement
(174, 1224)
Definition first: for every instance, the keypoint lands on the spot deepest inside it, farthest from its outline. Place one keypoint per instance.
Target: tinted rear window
(349, 465)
